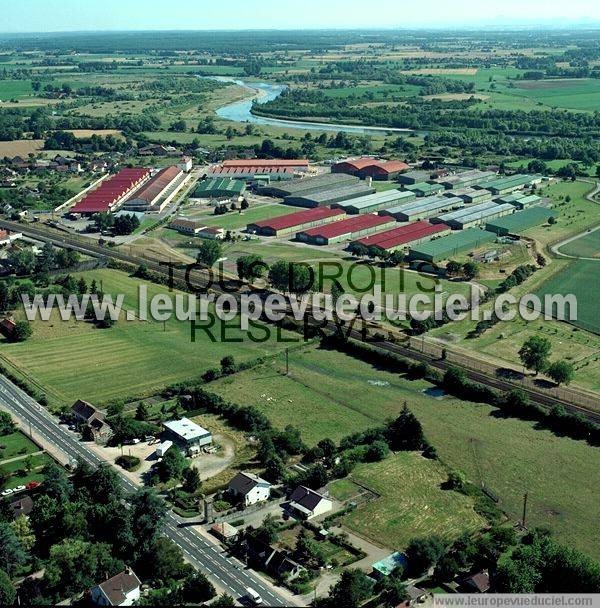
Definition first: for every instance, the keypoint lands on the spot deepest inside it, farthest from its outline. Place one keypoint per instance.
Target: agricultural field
(22, 147)
(411, 502)
(575, 94)
(72, 360)
(587, 246)
(330, 394)
(236, 220)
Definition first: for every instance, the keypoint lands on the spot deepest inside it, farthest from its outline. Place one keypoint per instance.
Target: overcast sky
(77, 15)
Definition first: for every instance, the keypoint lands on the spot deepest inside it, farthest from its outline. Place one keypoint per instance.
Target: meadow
(73, 360)
(574, 94)
(587, 246)
(411, 503)
(330, 394)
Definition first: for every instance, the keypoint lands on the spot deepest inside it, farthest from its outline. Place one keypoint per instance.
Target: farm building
(466, 179)
(511, 198)
(471, 196)
(156, 194)
(425, 189)
(506, 185)
(346, 230)
(413, 177)
(220, 188)
(375, 202)
(364, 168)
(187, 226)
(474, 216)
(519, 222)
(187, 434)
(327, 198)
(405, 236)
(450, 246)
(423, 208)
(111, 192)
(526, 201)
(296, 222)
(308, 185)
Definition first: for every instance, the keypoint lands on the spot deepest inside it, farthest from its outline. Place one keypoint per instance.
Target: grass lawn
(15, 89)
(574, 94)
(38, 462)
(239, 221)
(73, 360)
(411, 503)
(587, 246)
(16, 444)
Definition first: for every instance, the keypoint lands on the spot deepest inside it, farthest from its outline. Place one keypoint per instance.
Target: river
(263, 92)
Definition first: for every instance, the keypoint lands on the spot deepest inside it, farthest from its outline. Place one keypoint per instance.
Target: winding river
(263, 92)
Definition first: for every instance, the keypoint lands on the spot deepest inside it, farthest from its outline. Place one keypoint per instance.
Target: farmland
(329, 394)
(579, 94)
(587, 246)
(411, 502)
(72, 360)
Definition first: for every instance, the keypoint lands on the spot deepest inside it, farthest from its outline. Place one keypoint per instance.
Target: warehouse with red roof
(346, 230)
(111, 192)
(379, 170)
(154, 195)
(405, 236)
(296, 222)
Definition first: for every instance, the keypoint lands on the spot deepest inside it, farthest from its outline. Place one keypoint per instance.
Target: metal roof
(150, 191)
(300, 218)
(379, 198)
(186, 429)
(402, 235)
(349, 226)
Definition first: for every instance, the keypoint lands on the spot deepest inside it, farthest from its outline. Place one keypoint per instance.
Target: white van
(254, 597)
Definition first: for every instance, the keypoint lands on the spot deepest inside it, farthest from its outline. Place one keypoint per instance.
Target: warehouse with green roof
(520, 221)
(375, 202)
(425, 189)
(506, 185)
(220, 188)
(450, 246)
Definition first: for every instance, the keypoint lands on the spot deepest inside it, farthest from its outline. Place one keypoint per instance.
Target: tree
(197, 589)
(453, 268)
(406, 433)
(377, 451)
(250, 267)
(228, 365)
(148, 512)
(56, 482)
(191, 480)
(141, 412)
(12, 552)
(353, 588)
(209, 252)
(423, 553)
(172, 465)
(446, 569)
(275, 469)
(223, 601)
(470, 270)
(22, 529)
(291, 277)
(7, 426)
(535, 353)
(562, 372)
(167, 562)
(22, 331)
(8, 594)
(308, 551)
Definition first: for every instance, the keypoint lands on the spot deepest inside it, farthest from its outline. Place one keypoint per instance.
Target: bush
(129, 463)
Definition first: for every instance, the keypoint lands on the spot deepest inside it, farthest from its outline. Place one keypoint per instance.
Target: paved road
(224, 572)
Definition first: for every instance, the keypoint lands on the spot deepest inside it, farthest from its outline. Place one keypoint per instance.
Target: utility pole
(525, 499)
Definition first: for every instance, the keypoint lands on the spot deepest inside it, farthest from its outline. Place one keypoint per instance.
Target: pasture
(411, 503)
(573, 94)
(73, 360)
(587, 246)
(330, 394)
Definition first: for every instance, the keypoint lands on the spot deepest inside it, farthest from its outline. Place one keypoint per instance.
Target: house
(98, 166)
(22, 506)
(186, 226)
(120, 590)
(185, 164)
(476, 583)
(211, 233)
(224, 531)
(86, 414)
(274, 561)
(249, 488)
(307, 504)
(7, 237)
(7, 327)
(415, 596)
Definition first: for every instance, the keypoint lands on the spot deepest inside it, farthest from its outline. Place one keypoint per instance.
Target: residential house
(307, 504)
(476, 583)
(98, 166)
(86, 414)
(211, 233)
(120, 590)
(273, 561)
(250, 489)
(22, 506)
(7, 237)
(185, 164)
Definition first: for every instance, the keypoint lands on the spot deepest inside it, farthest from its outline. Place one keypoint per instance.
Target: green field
(329, 394)
(15, 89)
(411, 502)
(587, 246)
(17, 475)
(574, 94)
(16, 444)
(75, 361)
(239, 221)
(579, 278)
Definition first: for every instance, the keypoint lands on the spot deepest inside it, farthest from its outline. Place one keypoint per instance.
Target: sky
(79, 15)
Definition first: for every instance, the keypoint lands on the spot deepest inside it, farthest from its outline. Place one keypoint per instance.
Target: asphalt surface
(225, 573)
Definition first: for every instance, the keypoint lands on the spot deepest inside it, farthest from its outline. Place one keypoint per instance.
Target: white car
(7, 492)
(254, 597)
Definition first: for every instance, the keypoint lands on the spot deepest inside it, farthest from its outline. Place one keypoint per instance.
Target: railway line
(232, 285)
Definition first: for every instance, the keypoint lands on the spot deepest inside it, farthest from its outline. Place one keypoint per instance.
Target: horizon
(69, 16)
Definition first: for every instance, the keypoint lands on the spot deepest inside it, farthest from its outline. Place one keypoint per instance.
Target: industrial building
(519, 222)
(379, 170)
(376, 202)
(467, 179)
(405, 236)
(156, 194)
(223, 188)
(425, 189)
(471, 196)
(331, 196)
(258, 164)
(451, 246)
(346, 230)
(507, 185)
(111, 192)
(187, 434)
(414, 177)
(474, 216)
(524, 202)
(308, 185)
(296, 222)
(423, 208)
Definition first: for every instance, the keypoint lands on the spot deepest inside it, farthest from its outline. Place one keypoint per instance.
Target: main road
(226, 573)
